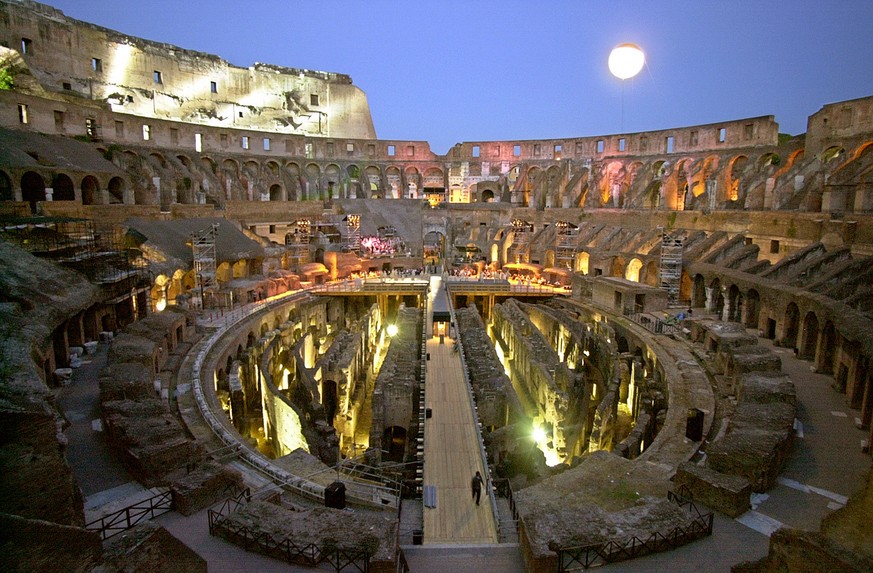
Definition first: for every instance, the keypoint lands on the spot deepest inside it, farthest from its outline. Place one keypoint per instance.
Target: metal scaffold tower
(350, 230)
(671, 264)
(519, 251)
(205, 267)
(297, 242)
(565, 244)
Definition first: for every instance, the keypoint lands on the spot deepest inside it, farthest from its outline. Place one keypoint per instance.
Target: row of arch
(34, 187)
(811, 332)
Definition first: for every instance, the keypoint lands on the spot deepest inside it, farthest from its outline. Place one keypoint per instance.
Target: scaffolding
(205, 266)
(350, 232)
(297, 242)
(565, 244)
(519, 250)
(671, 264)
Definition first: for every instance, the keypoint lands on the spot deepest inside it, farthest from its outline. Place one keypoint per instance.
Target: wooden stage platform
(452, 456)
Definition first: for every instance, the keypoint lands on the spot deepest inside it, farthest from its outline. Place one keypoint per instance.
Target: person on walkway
(476, 484)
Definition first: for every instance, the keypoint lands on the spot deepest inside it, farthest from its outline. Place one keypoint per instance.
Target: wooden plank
(451, 455)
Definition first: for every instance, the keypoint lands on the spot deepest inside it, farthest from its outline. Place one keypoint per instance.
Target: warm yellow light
(626, 61)
(392, 329)
(539, 435)
(161, 304)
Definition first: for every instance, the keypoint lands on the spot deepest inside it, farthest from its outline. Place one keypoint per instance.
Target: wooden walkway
(451, 455)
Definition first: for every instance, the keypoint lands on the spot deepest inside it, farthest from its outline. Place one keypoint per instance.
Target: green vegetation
(7, 74)
(791, 232)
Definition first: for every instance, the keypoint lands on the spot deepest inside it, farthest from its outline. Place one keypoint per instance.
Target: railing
(309, 554)
(504, 490)
(595, 555)
(123, 519)
(653, 324)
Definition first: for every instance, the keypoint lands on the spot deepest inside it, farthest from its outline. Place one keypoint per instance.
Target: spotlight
(392, 329)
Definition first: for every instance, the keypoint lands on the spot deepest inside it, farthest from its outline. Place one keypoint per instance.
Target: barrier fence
(123, 519)
(308, 554)
(597, 554)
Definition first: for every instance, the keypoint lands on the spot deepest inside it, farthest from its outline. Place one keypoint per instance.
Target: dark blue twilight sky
(447, 71)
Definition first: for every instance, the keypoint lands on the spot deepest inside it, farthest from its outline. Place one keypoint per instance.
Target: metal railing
(123, 519)
(654, 324)
(308, 554)
(597, 554)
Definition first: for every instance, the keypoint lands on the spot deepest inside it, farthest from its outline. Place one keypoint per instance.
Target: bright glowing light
(161, 305)
(392, 329)
(626, 61)
(539, 434)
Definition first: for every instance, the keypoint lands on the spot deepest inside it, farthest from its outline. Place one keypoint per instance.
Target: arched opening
(488, 196)
(735, 299)
(791, 326)
(618, 266)
(90, 188)
(698, 293)
(753, 308)
(116, 190)
(329, 400)
(275, 193)
(810, 336)
(32, 189)
(63, 188)
(6, 193)
(582, 262)
(632, 272)
(827, 347)
(394, 443)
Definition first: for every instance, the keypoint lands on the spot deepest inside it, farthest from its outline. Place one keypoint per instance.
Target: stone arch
(790, 325)
(553, 188)
(618, 266)
(394, 440)
(487, 196)
(395, 182)
(276, 192)
(230, 167)
(272, 168)
(374, 182)
(32, 189)
(735, 304)
(581, 263)
(684, 285)
(312, 182)
(684, 183)
(90, 188)
(650, 273)
(735, 170)
(698, 292)
(768, 159)
(116, 190)
(63, 188)
(186, 162)
(252, 168)
(413, 183)
(6, 193)
(753, 309)
(831, 153)
(809, 336)
(157, 160)
(613, 185)
(716, 298)
(632, 271)
(209, 164)
(827, 348)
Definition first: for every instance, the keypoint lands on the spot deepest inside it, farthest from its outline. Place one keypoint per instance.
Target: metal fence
(123, 519)
(597, 554)
(308, 554)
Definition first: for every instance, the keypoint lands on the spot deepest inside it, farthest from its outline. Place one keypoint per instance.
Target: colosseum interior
(230, 310)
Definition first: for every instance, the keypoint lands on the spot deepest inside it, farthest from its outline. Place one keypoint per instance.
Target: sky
(448, 71)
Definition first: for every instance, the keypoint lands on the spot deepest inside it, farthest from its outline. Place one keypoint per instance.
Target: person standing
(476, 484)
